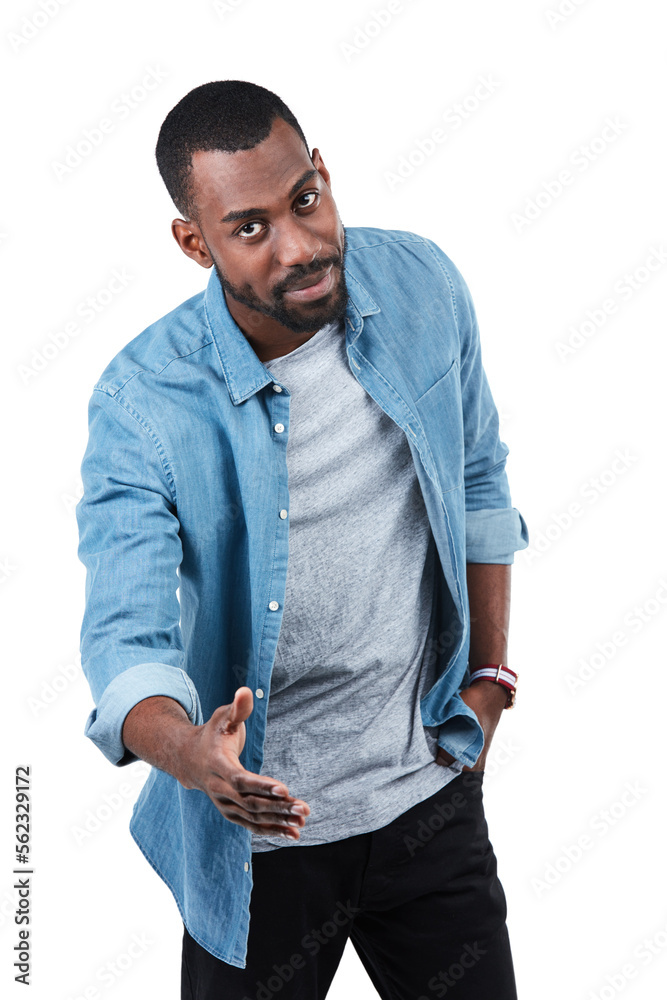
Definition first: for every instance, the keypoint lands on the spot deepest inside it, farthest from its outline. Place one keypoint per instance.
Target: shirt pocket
(441, 412)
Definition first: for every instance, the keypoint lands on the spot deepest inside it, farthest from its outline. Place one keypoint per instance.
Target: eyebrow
(245, 213)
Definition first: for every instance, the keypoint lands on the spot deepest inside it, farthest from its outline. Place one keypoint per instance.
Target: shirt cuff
(460, 734)
(493, 535)
(104, 725)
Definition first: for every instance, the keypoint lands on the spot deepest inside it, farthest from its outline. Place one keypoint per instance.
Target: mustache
(304, 272)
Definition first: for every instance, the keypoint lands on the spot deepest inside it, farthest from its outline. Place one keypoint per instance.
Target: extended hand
(211, 764)
(487, 700)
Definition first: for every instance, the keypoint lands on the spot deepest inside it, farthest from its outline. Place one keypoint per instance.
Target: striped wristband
(500, 674)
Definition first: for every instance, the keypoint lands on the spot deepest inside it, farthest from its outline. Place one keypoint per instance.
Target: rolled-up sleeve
(131, 644)
(493, 535)
(495, 530)
(145, 680)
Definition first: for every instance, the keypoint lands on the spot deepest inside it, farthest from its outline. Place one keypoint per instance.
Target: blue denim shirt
(185, 549)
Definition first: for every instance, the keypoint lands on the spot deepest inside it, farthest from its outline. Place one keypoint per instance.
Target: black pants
(420, 898)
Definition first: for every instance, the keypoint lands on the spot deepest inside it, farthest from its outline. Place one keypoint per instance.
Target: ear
(189, 239)
(318, 163)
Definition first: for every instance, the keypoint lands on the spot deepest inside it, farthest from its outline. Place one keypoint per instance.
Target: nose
(296, 244)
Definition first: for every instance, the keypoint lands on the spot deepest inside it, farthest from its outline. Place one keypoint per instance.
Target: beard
(305, 317)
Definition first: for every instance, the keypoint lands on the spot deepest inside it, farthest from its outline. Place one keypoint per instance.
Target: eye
(243, 231)
(309, 194)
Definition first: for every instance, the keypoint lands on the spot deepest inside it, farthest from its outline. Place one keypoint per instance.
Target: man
(316, 726)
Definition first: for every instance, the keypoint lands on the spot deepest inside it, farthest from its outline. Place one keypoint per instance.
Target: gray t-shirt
(344, 730)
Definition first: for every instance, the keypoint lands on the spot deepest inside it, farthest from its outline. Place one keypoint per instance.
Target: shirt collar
(243, 371)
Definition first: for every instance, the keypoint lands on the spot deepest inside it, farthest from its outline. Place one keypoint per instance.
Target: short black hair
(225, 115)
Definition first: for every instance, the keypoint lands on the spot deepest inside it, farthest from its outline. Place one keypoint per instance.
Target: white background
(593, 584)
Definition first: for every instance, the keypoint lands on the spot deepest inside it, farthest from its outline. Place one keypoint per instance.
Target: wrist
(501, 675)
(158, 730)
(182, 739)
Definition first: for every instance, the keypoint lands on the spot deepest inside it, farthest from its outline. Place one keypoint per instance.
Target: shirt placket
(278, 510)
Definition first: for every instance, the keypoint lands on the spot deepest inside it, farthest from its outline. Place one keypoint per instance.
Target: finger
(276, 807)
(242, 790)
(246, 782)
(266, 830)
(266, 818)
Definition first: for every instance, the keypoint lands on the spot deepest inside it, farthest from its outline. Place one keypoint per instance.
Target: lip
(316, 291)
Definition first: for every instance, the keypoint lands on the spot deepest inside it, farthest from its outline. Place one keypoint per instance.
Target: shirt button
(273, 605)
(279, 428)
(283, 514)
(277, 388)
(259, 693)
(246, 867)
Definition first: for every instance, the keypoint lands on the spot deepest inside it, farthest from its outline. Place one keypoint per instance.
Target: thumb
(240, 708)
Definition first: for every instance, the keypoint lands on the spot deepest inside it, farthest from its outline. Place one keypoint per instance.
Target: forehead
(250, 178)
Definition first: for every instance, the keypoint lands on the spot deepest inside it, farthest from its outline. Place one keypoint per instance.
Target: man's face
(270, 225)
